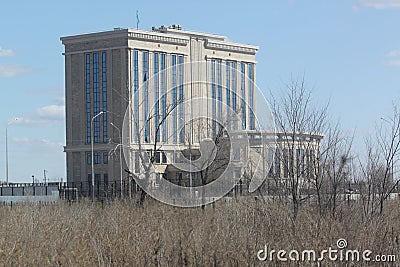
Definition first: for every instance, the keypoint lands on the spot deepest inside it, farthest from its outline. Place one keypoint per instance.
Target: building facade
(130, 88)
(148, 73)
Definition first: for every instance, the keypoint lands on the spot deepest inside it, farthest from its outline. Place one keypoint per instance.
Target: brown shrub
(228, 233)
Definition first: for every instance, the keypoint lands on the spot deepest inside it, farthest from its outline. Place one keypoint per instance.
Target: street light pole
(120, 154)
(92, 143)
(6, 155)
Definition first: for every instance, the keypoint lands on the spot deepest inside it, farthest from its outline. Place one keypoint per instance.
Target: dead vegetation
(228, 233)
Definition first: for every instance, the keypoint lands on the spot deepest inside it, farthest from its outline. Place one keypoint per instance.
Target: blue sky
(348, 51)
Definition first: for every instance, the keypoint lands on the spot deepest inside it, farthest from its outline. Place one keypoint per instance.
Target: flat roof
(163, 31)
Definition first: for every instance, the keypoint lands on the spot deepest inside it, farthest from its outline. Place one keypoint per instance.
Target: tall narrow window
(104, 96)
(270, 162)
(219, 86)
(300, 162)
(174, 99)
(136, 94)
(243, 90)
(88, 101)
(251, 96)
(96, 97)
(105, 157)
(156, 99)
(277, 163)
(145, 71)
(285, 162)
(213, 99)
(228, 90)
(89, 158)
(105, 176)
(291, 163)
(311, 163)
(97, 158)
(137, 162)
(234, 92)
(163, 84)
(181, 122)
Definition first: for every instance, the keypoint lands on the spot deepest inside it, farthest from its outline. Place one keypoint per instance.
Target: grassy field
(228, 233)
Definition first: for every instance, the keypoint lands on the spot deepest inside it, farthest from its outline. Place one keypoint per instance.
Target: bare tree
(146, 154)
(389, 145)
(334, 173)
(379, 168)
(295, 117)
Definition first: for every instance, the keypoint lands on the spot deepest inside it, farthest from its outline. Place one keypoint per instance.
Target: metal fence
(26, 192)
(101, 190)
(111, 190)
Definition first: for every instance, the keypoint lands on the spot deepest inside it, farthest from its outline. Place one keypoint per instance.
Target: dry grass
(224, 234)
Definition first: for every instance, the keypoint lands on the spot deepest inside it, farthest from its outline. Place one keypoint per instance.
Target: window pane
(105, 157)
(104, 94)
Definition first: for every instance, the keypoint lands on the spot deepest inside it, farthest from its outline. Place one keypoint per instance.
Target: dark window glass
(89, 158)
(174, 99)
(181, 125)
(157, 158)
(137, 162)
(105, 157)
(219, 86)
(285, 163)
(104, 94)
(243, 90)
(145, 72)
(96, 98)
(251, 96)
(270, 162)
(213, 97)
(156, 98)
(105, 176)
(88, 100)
(228, 89)
(163, 85)
(234, 93)
(277, 163)
(97, 158)
(136, 94)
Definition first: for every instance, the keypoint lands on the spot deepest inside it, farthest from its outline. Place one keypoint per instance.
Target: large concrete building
(130, 86)
(106, 71)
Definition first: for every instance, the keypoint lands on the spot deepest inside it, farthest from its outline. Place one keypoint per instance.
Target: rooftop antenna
(137, 19)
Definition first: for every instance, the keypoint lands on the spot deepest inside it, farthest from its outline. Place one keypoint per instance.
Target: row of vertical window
(99, 158)
(159, 83)
(160, 91)
(281, 162)
(231, 92)
(93, 91)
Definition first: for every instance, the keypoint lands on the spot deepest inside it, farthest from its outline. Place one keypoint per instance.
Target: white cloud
(393, 63)
(378, 4)
(45, 143)
(12, 70)
(44, 116)
(52, 112)
(394, 60)
(6, 52)
(394, 53)
(60, 100)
